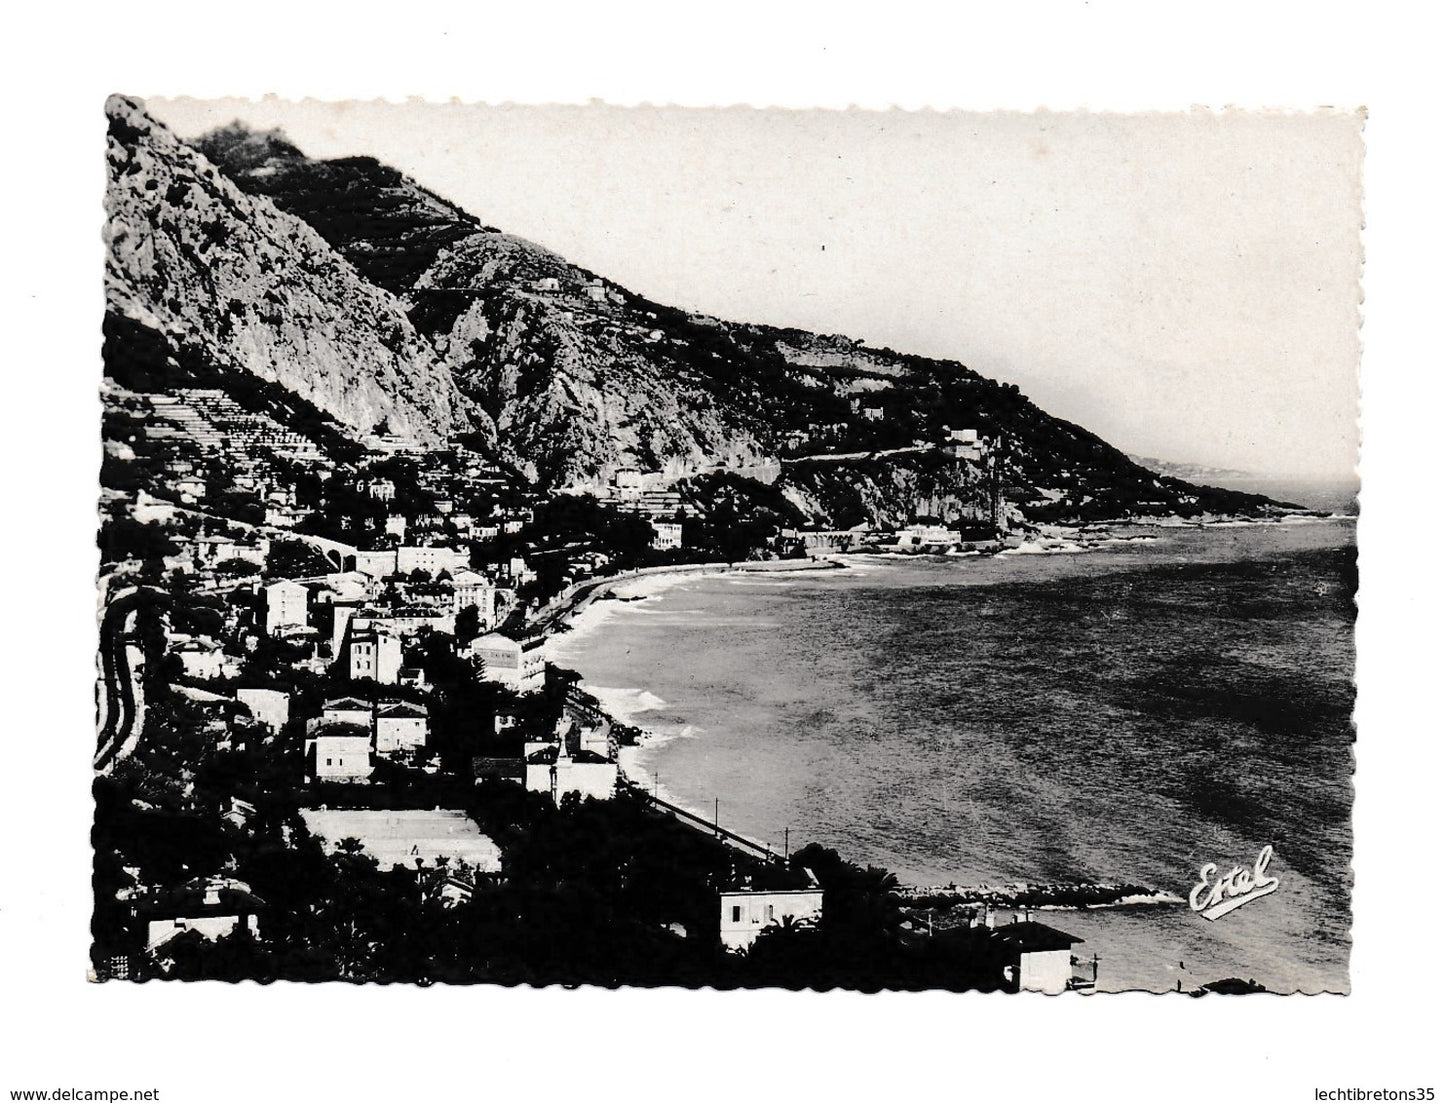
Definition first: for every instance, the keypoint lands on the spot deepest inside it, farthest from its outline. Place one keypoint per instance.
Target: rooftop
(402, 709)
(347, 704)
(189, 900)
(1030, 937)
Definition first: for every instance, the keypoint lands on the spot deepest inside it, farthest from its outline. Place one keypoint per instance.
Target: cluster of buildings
(415, 578)
(204, 908)
(650, 494)
(593, 289)
(343, 743)
(367, 620)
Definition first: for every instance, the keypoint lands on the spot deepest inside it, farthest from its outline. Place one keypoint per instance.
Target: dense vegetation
(604, 893)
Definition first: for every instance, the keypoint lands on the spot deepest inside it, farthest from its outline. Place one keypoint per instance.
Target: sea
(1175, 697)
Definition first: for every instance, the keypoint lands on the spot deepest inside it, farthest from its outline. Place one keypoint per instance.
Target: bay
(1177, 697)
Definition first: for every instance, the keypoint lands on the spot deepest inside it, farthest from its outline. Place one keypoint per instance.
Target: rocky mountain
(376, 299)
(201, 264)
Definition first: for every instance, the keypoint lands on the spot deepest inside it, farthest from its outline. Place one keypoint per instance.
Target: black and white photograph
(734, 549)
(780, 550)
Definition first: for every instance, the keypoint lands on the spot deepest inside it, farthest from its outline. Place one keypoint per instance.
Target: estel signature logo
(1215, 896)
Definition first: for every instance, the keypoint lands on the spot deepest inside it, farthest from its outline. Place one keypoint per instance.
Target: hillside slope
(583, 378)
(203, 265)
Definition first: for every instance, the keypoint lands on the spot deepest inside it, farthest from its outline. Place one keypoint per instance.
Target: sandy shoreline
(1073, 539)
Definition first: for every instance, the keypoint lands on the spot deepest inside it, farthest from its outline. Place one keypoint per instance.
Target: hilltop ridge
(386, 305)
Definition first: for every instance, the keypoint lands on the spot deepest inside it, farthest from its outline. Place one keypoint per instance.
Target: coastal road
(838, 457)
(700, 824)
(120, 708)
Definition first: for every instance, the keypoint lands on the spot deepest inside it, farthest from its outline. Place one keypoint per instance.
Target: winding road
(118, 709)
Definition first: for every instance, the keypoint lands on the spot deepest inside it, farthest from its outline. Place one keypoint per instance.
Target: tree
(237, 568)
(124, 538)
(469, 625)
(295, 559)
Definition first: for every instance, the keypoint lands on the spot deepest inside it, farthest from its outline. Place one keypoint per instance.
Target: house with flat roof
(286, 607)
(553, 771)
(433, 559)
(339, 752)
(519, 664)
(745, 914)
(202, 659)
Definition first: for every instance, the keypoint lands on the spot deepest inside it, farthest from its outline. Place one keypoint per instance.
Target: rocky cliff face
(193, 257)
(581, 382)
(582, 378)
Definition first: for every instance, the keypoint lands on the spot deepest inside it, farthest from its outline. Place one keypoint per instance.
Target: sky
(1185, 285)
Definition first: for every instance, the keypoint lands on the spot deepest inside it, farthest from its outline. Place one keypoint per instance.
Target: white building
(340, 753)
(963, 444)
(341, 617)
(267, 706)
(470, 587)
(522, 665)
(376, 655)
(202, 659)
(1037, 958)
(744, 914)
(666, 535)
(431, 559)
(597, 739)
(377, 563)
(212, 907)
(552, 771)
(629, 483)
(924, 537)
(587, 775)
(213, 550)
(285, 606)
(400, 727)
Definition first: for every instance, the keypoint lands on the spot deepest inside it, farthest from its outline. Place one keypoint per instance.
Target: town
(325, 678)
